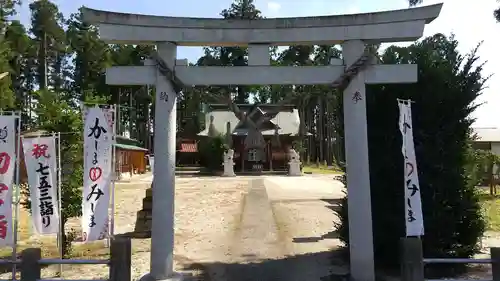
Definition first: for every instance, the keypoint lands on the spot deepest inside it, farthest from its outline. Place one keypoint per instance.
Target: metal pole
(16, 194)
(119, 110)
(113, 164)
(59, 202)
(130, 117)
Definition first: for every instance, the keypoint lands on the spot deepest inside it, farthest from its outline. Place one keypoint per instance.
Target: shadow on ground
(306, 267)
(334, 205)
(135, 235)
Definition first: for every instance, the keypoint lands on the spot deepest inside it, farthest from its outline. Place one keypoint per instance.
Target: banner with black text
(413, 201)
(98, 144)
(41, 168)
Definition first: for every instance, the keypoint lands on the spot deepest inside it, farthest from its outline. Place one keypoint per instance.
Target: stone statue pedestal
(294, 168)
(228, 164)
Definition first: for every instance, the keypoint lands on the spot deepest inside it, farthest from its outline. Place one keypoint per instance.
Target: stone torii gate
(169, 75)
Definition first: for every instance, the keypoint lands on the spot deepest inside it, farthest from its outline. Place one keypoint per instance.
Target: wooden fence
(413, 262)
(31, 262)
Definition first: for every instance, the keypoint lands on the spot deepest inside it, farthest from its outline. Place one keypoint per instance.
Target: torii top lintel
(387, 26)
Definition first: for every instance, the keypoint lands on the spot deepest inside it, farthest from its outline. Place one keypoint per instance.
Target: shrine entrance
(355, 33)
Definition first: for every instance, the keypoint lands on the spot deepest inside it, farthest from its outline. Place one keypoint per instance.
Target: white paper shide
(41, 167)
(98, 141)
(7, 168)
(413, 201)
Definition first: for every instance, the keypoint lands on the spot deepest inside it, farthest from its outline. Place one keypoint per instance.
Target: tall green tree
(91, 58)
(7, 9)
(233, 56)
(7, 98)
(22, 67)
(448, 84)
(7, 95)
(47, 30)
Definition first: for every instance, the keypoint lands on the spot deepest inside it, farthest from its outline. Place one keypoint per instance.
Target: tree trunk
(42, 56)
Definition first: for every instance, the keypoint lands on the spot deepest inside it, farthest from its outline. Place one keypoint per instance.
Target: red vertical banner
(7, 168)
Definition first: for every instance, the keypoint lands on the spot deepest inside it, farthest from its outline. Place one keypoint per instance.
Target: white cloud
(273, 6)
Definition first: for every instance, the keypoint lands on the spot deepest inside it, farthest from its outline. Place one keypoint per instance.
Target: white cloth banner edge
(408, 150)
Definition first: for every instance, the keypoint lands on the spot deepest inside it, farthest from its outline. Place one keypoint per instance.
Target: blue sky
(471, 24)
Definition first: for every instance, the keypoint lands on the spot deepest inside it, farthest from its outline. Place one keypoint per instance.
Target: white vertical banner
(7, 168)
(413, 201)
(98, 142)
(41, 167)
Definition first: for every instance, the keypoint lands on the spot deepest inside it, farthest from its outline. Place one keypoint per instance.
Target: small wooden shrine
(130, 157)
(254, 151)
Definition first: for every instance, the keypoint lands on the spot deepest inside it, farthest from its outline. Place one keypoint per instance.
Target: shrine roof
(287, 120)
(129, 147)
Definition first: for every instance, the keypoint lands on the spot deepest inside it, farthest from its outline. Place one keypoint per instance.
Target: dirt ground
(256, 228)
(243, 228)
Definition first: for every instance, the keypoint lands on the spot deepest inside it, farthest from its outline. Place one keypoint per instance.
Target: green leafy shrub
(482, 165)
(211, 152)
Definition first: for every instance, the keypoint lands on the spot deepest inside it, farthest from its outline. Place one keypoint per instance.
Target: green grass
(491, 207)
(321, 169)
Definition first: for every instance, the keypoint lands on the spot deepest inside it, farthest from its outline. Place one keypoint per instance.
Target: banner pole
(59, 203)
(113, 164)
(16, 194)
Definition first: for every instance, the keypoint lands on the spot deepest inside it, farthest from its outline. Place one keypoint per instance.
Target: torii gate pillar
(162, 234)
(358, 174)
